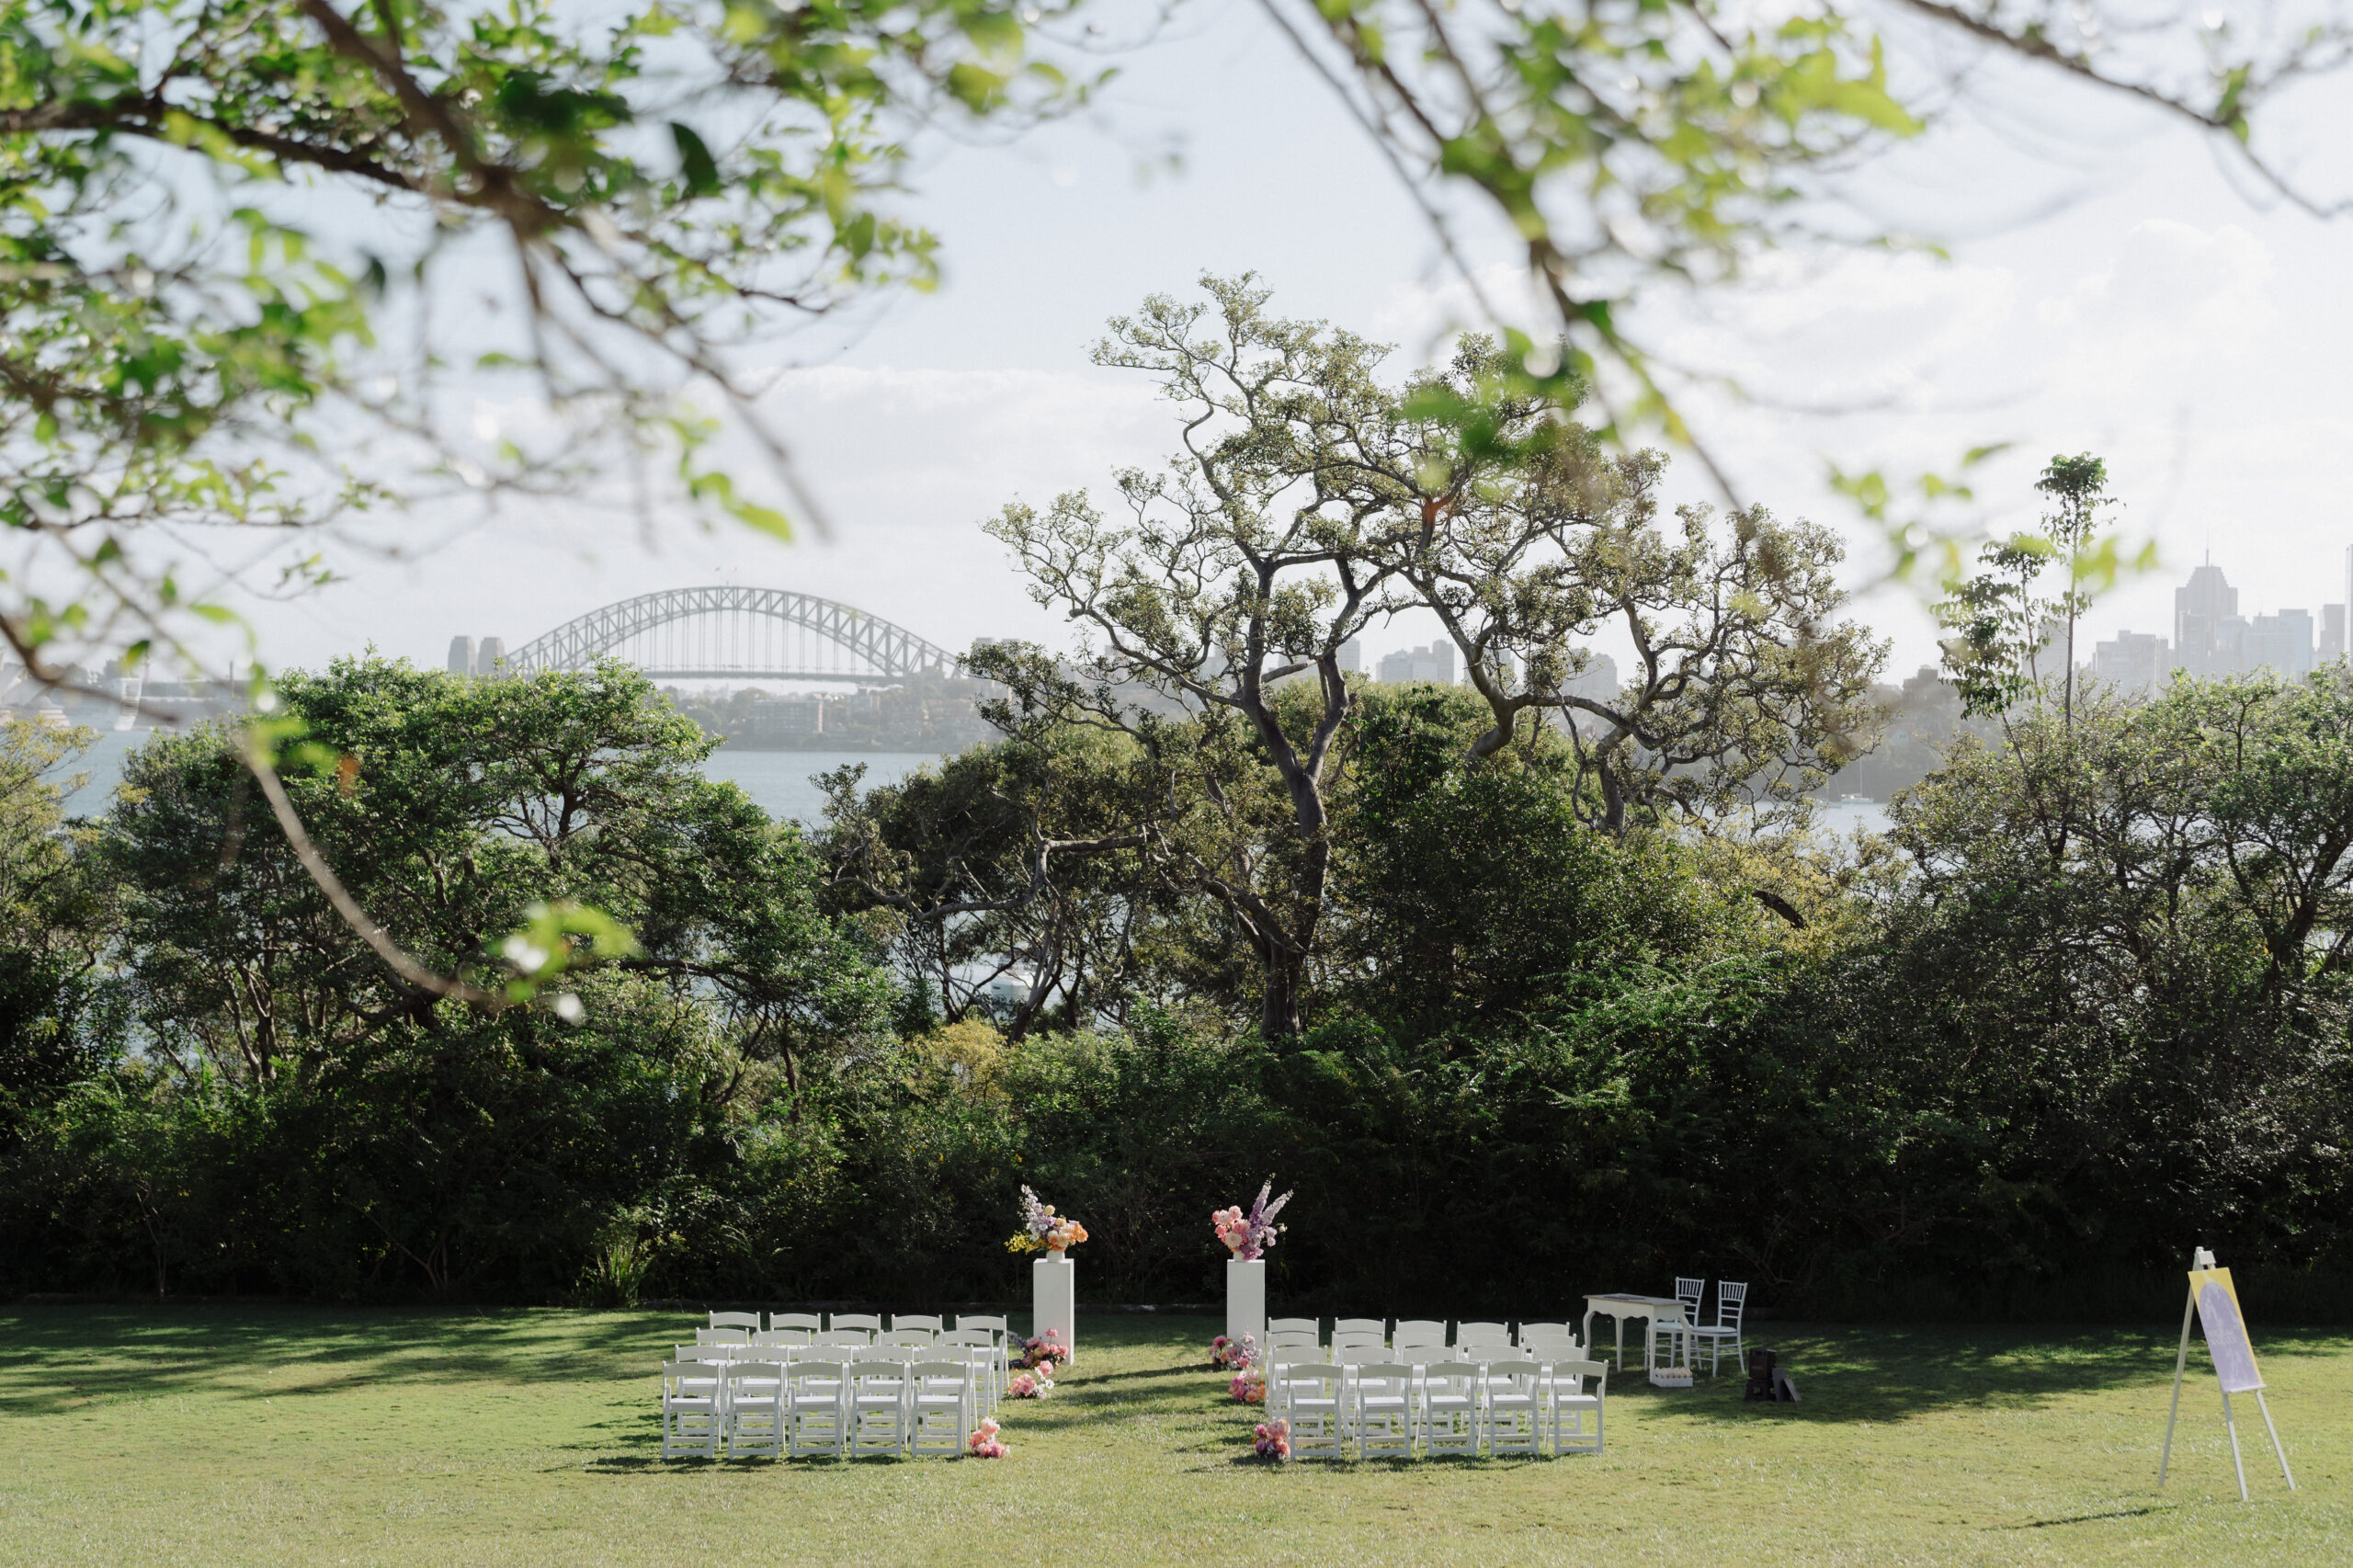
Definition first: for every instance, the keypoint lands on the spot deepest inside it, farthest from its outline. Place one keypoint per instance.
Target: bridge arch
(728, 631)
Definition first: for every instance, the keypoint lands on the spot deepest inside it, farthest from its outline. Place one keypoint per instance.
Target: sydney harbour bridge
(724, 632)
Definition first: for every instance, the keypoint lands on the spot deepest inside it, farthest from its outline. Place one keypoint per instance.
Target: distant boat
(1857, 801)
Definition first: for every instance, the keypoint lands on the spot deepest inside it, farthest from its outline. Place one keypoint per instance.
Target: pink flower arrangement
(1235, 1354)
(1249, 1385)
(1030, 1385)
(1248, 1236)
(1273, 1442)
(1047, 1351)
(984, 1444)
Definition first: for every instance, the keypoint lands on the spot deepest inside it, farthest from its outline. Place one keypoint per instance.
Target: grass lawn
(243, 1435)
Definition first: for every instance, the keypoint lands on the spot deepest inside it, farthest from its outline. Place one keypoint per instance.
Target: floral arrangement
(1249, 1385)
(984, 1444)
(1273, 1440)
(1043, 1229)
(1248, 1236)
(1234, 1354)
(1046, 1352)
(1030, 1385)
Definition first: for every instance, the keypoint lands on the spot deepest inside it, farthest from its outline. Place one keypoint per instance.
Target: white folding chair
(1380, 1411)
(878, 1405)
(1377, 1327)
(722, 1337)
(1472, 1338)
(1363, 1346)
(776, 1337)
(808, 1321)
(1313, 1328)
(930, 1324)
(852, 1337)
(979, 1348)
(816, 1408)
(1291, 1339)
(1511, 1399)
(1308, 1397)
(1571, 1416)
(1732, 1301)
(753, 1402)
(921, 1338)
(997, 1331)
(1448, 1408)
(1421, 1347)
(867, 1321)
(1419, 1328)
(689, 1409)
(940, 1395)
(748, 1322)
(1677, 1332)
(1528, 1333)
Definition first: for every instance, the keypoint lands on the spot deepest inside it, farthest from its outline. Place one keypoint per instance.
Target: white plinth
(1246, 1298)
(1053, 1278)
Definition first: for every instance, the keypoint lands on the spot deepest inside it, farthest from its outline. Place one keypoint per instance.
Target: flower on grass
(1030, 1385)
(984, 1444)
(1249, 1385)
(1273, 1442)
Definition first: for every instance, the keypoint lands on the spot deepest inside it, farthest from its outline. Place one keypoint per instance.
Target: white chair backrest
(929, 1324)
(1469, 1334)
(722, 1337)
(902, 1354)
(1357, 1340)
(740, 1374)
(1293, 1339)
(748, 1321)
(818, 1371)
(781, 1336)
(1420, 1329)
(846, 1336)
(966, 1336)
(1297, 1326)
(1415, 1347)
(923, 1337)
(808, 1321)
(1528, 1331)
(866, 1321)
(1689, 1292)
(1360, 1355)
(1377, 1327)
(1732, 1300)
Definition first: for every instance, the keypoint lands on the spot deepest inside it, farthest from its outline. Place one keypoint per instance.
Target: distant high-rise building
(2281, 641)
(2134, 661)
(2332, 633)
(1434, 663)
(2203, 607)
(461, 656)
(1352, 656)
(489, 655)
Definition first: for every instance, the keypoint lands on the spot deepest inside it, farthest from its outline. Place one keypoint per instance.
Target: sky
(2109, 285)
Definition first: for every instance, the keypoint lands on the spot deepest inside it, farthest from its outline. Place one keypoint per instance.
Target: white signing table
(1621, 1306)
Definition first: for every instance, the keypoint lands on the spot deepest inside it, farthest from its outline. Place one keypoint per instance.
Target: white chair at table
(748, 1322)
(1379, 1410)
(689, 1408)
(1689, 1292)
(942, 1408)
(755, 1408)
(1732, 1301)
(1572, 1417)
(1308, 1397)
(816, 1408)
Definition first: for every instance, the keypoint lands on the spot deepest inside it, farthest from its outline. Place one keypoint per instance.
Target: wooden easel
(2200, 1262)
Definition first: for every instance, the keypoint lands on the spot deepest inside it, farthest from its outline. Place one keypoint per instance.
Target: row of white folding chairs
(1508, 1404)
(853, 1409)
(970, 1330)
(971, 1347)
(1421, 1336)
(872, 1323)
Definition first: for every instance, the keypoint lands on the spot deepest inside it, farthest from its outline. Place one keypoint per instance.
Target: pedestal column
(1246, 1298)
(1053, 1280)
